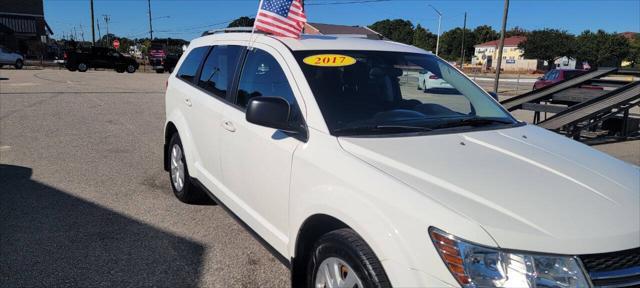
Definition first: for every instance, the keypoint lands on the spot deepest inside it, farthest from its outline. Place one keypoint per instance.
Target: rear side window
(219, 68)
(190, 65)
(263, 76)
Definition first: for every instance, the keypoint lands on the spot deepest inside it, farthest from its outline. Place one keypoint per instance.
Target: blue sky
(187, 19)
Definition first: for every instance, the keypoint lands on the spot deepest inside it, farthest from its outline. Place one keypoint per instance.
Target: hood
(529, 188)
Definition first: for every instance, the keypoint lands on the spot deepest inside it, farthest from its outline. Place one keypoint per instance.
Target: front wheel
(342, 259)
(19, 64)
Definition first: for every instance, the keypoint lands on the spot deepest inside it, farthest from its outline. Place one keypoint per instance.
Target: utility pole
(464, 28)
(93, 31)
(150, 26)
(106, 21)
(496, 83)
(439, 23)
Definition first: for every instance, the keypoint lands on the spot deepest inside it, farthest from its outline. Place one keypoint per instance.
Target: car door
(97, 57)
(256, 160)
(186, 91)
(213, 83)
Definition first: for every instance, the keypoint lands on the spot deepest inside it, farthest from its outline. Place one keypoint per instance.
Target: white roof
(319, 42)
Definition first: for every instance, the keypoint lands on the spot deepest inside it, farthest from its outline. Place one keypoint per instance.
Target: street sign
(116, 43)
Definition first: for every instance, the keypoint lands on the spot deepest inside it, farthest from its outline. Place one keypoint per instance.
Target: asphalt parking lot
(84, 201)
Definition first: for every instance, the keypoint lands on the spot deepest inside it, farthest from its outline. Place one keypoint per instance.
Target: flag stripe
(280, 20)
(274, 30)
(281, 17)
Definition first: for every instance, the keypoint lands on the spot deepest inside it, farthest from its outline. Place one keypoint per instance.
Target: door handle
(228, 125)
(187, 101)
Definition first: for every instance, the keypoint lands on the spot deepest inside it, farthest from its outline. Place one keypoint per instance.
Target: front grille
(611, 261)
(616, 269)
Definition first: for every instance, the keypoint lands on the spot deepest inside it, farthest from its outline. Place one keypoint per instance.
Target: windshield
(373, 92)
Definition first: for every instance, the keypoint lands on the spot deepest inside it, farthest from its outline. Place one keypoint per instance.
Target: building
(512, 57)
(332, 29)
(23, 27)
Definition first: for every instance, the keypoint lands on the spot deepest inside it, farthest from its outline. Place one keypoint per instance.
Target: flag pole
(253, 29)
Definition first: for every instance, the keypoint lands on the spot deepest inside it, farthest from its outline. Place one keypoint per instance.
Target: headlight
(478, 266)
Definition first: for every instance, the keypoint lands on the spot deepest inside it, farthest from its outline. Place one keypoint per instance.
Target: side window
(263, 76)
(190, 65)
(219, 68)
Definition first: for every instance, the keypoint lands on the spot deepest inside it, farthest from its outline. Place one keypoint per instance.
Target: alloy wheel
(177, 168)
(334, 272)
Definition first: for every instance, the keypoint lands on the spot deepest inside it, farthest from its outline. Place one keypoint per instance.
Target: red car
(555, 76)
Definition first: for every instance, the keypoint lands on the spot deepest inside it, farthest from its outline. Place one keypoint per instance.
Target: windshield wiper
(382, 128)
(472, 122)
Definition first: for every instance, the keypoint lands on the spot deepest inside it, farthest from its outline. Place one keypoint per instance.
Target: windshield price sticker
(329, 60)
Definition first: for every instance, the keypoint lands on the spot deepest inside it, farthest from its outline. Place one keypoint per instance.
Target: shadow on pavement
(49, 238)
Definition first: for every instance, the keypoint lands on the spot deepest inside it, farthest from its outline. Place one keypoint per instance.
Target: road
(84, 201)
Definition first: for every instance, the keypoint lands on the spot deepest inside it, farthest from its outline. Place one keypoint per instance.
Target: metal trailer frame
(586, 114)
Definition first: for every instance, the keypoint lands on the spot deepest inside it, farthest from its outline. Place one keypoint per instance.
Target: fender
(391, 217)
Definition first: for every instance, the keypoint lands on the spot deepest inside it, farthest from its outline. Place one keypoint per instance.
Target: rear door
(98, 57)
(256, 160)
(185, 90)
(212, 84)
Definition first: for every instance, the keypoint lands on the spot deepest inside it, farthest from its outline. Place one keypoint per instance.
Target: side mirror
(272, 112)
(494, 95)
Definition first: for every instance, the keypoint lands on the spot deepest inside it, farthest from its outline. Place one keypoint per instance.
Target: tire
(19, 64)
(159, 71)
(343, 248)
(83, 67)
(131, 69)
(184, 189)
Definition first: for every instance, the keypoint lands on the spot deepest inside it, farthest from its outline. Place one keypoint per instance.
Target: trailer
(598, 106)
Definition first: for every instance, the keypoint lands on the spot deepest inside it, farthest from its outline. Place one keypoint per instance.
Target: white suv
(327, 151)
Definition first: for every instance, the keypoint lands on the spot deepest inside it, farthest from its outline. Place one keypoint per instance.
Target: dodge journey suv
(327, 151)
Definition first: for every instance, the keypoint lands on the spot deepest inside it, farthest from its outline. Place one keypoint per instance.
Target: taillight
(65, 56)
(433, 77)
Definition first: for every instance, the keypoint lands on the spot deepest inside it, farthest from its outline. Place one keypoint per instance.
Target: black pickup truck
(81, 59)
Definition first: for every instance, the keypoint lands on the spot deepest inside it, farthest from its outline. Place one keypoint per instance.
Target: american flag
(281, 17)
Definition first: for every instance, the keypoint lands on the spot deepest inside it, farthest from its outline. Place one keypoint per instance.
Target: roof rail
(230, 30)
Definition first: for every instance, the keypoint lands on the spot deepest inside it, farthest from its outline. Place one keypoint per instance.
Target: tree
(634, 50)
(548, 45)
(602, 48)
(424, 39)
(451, 41)
(484, 33)
(397, 30)
(516, 31)
(243, 21)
